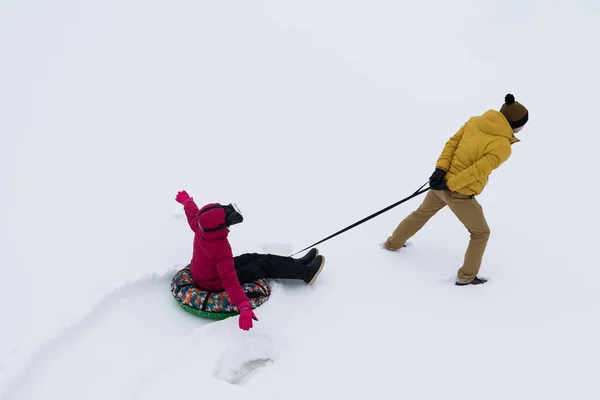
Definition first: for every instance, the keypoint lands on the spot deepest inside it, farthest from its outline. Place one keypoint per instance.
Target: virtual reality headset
(232, 216)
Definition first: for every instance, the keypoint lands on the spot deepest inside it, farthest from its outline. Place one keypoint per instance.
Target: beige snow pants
(466, 209)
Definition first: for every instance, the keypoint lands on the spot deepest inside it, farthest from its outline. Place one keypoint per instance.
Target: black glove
(437, 177)
(442, 185)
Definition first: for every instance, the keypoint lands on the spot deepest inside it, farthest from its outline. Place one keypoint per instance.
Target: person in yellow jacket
(480, 146)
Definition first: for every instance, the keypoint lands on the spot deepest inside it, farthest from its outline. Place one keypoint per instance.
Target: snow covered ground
(310, 116)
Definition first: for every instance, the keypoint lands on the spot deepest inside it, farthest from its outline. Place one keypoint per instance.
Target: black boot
(315, 267)
(308, 257)
(476, 281)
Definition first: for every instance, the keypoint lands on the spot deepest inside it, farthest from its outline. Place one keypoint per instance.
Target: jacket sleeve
(192, 212)
(481, 169)
(228, 274)
(445, 158)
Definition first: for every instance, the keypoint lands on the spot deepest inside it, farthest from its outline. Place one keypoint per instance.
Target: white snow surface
(310, 116)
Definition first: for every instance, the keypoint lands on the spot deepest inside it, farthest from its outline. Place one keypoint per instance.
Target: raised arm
(191, 209)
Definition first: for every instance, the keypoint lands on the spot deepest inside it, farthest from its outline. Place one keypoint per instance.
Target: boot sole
(318, 272)
(470, 283)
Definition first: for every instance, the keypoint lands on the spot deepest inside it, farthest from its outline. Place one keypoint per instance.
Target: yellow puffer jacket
(481, 145)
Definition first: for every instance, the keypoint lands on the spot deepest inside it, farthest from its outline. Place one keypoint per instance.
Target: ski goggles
(232, 216)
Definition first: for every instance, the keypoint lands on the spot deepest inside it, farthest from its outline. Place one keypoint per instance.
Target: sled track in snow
(109, 346)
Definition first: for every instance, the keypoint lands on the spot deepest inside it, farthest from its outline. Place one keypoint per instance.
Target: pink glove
(246, 316)
(182, 197)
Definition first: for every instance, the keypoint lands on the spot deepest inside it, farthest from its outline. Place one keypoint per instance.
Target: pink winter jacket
(212, 260)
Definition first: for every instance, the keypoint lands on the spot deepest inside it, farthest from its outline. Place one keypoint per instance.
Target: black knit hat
(516, 114)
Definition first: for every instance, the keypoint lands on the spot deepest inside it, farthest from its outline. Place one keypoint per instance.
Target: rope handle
(415, 194)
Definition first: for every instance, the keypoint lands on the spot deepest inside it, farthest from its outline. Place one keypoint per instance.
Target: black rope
(415, 194)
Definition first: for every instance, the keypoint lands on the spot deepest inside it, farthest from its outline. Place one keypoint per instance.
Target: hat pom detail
(509, 99)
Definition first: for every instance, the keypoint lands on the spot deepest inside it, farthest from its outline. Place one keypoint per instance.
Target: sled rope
(415, 194)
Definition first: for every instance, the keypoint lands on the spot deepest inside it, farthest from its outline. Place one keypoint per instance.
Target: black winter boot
(476, 281)
(315, 267)
(308, 257)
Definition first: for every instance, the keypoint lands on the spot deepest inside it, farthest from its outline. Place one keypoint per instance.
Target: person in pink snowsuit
(214, 268)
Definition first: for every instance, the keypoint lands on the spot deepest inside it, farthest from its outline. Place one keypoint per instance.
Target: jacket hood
(211, 219)
(493, 122)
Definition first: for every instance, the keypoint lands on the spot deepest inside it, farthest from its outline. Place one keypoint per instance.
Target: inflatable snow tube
(215, 305)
